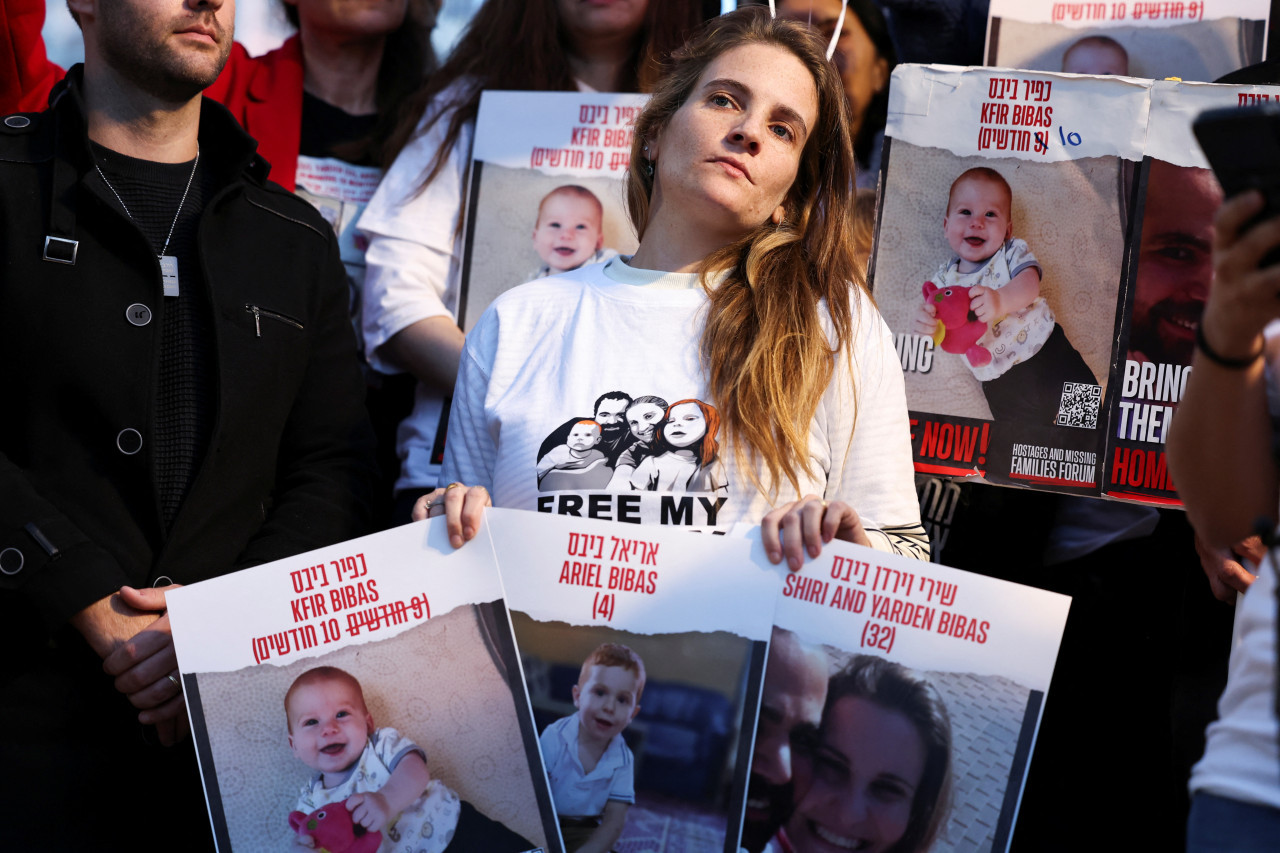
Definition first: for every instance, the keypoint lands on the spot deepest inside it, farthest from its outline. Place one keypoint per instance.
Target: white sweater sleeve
(471, 449)
(872, 468)
(415, 244)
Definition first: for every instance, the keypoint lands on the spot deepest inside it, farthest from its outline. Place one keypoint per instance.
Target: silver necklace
(168, 263)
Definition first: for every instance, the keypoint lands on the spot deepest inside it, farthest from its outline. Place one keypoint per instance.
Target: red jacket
(264, 93)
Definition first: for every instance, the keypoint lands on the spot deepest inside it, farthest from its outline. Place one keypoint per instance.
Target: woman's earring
(648, 161)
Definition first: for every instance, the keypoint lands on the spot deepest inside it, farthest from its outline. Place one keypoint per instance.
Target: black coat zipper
(259, 313)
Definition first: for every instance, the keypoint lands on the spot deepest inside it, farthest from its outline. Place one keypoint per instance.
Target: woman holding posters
(745, 291)
(1222, 453)
(876, 774)
(414, 221)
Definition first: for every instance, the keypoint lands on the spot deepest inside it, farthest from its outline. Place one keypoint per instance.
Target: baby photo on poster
(1192, 41)
(430, 705)
(546, 195)
(978, 257)
(364, 696)
(999, 262)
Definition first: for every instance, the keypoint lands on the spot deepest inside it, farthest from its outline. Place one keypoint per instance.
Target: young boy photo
(590, 767)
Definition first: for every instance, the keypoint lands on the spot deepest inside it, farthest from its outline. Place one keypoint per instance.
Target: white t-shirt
(413, 269)
(1242, 747)
(578, 794)
(1241, 757)
(582, 345)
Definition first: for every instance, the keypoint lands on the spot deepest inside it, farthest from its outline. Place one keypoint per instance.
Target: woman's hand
(462, 506)
(806, 525)
(1244, 297)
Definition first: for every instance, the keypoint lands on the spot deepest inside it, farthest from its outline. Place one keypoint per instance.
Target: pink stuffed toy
(958, 327)
(333, 830)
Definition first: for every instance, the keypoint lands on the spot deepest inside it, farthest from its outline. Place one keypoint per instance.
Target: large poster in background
(423, 631)
(1197, 40)
(1169, 283)
(900, 705)
(694, 613)
(998, 264)
(546, 189)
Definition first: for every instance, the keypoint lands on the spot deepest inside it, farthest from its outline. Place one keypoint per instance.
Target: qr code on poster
(1079, 406)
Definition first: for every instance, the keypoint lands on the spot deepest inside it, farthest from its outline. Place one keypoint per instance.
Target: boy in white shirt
(588, 764)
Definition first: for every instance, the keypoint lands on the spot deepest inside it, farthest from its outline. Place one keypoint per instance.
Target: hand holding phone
(1242, 144)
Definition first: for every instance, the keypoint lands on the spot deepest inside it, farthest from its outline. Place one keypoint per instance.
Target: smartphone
(1242, 144)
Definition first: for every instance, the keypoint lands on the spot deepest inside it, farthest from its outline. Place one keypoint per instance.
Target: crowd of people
(205, 406)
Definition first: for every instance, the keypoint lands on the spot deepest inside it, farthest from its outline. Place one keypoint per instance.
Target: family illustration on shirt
(590, 768)
(638, 443)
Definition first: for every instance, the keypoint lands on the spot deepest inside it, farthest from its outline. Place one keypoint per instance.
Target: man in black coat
(179, 398)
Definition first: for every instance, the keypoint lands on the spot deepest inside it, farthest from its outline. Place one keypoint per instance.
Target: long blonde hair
(767, 356)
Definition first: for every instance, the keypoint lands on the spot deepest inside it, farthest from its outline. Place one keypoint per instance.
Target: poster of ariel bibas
(643, 648)
(900, 706)
(1169, 283)
(546, 189)
(1192, 40)
(998, 264)
(363, 696)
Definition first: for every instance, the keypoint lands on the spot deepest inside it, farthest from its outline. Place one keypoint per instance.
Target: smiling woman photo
(875, 776)
(744, 292)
